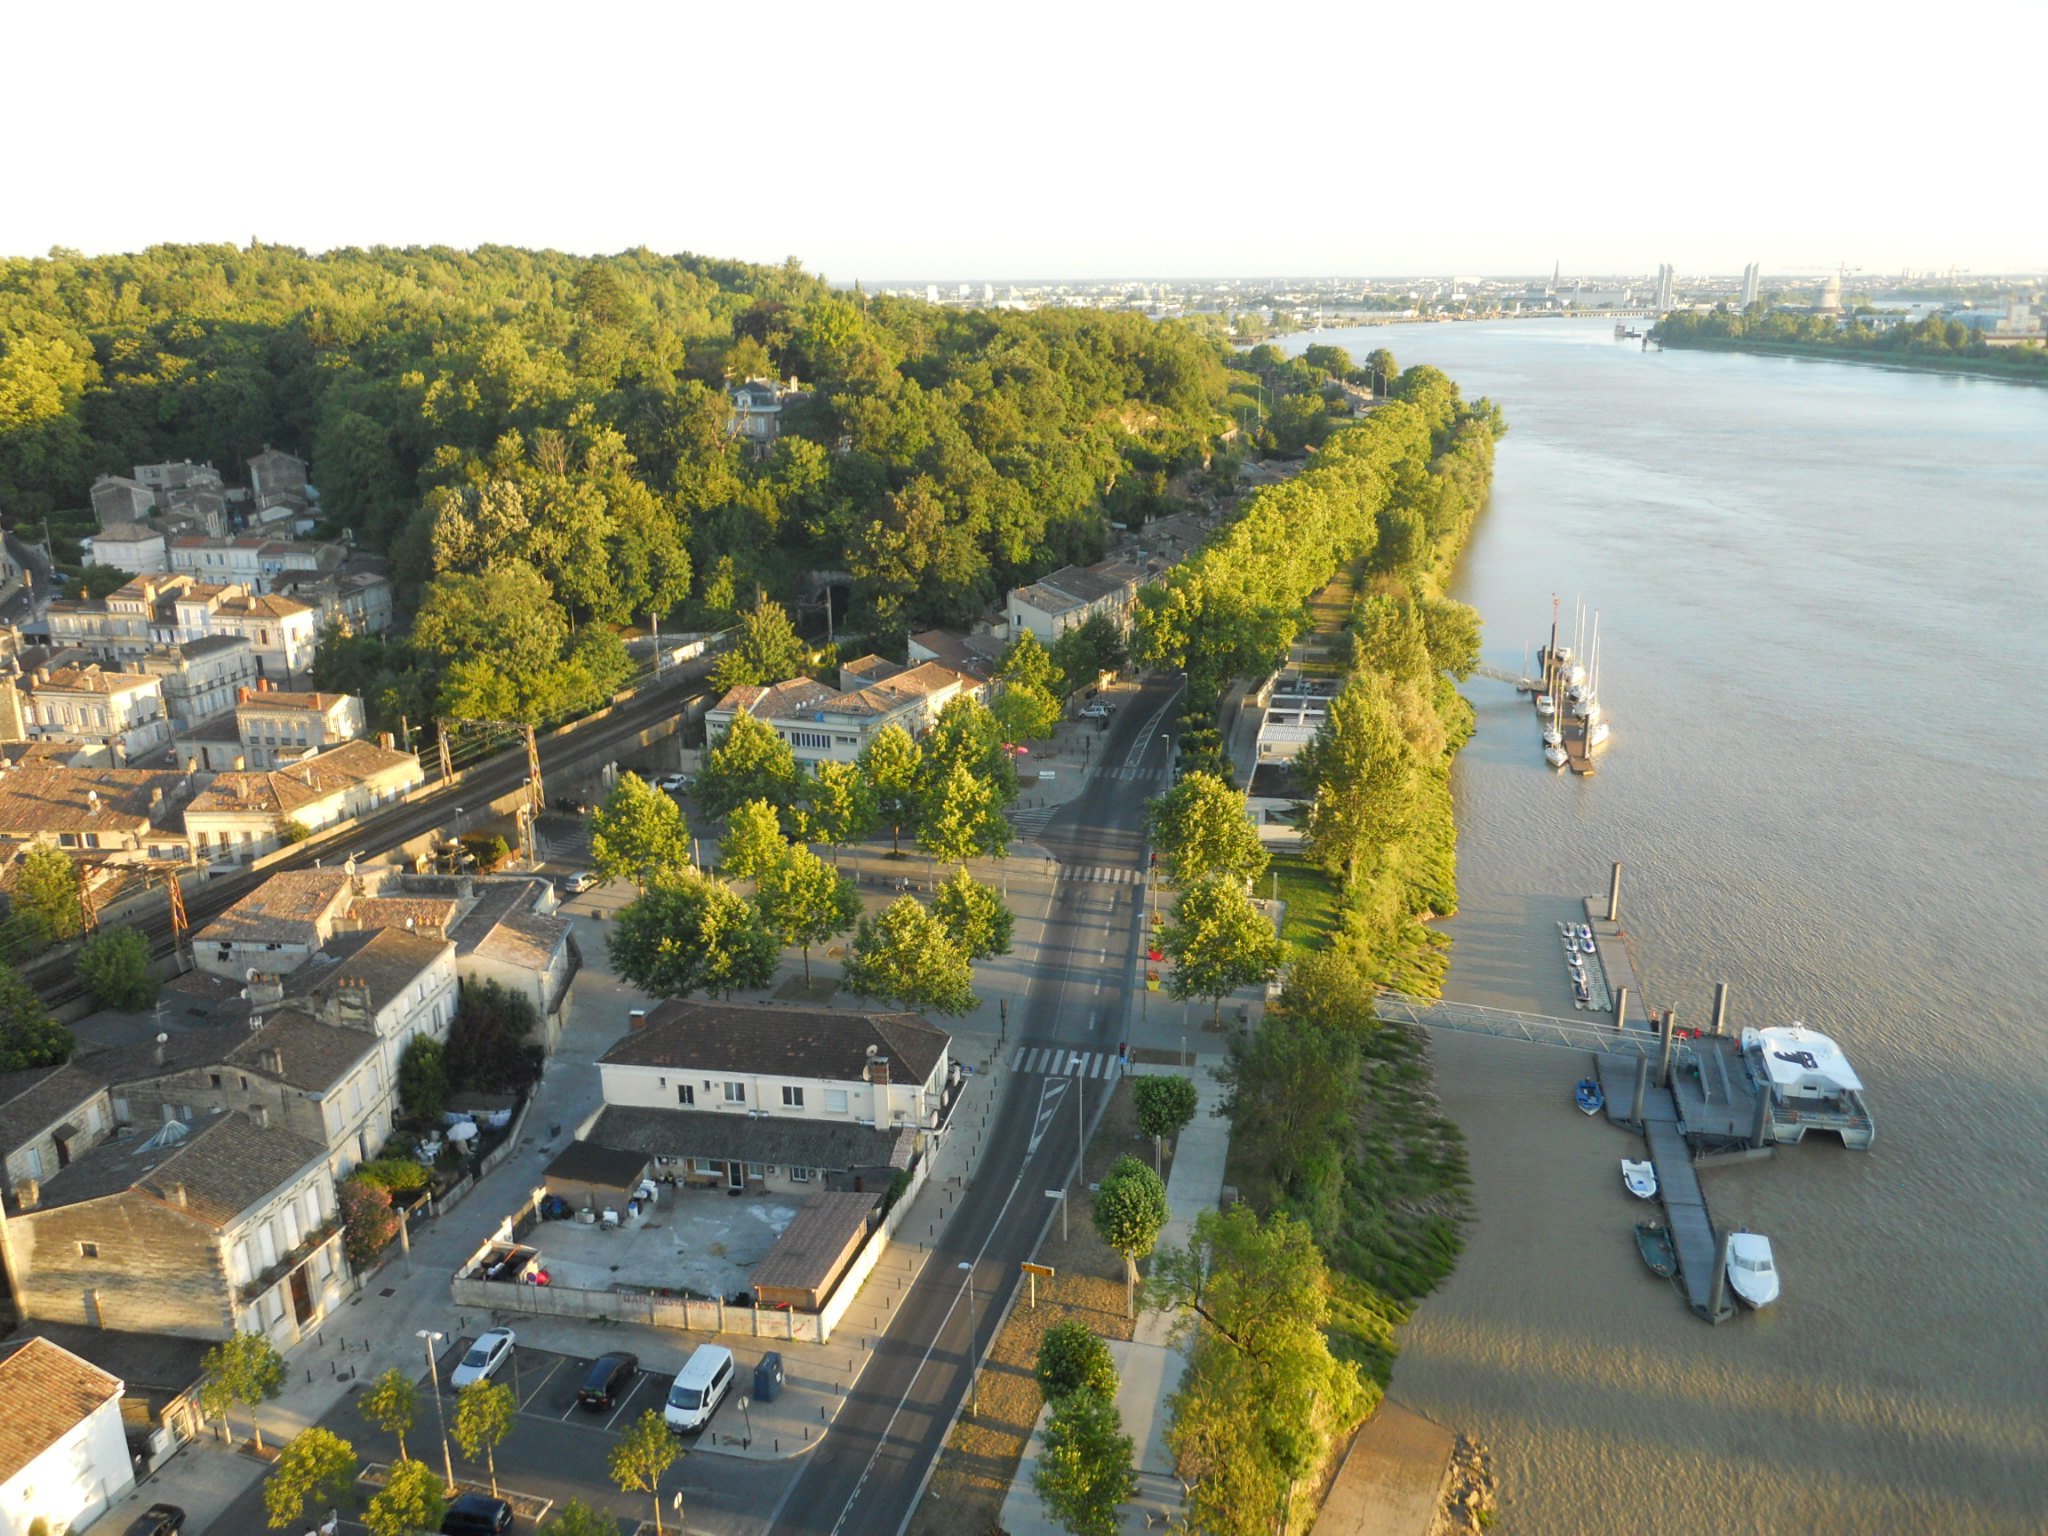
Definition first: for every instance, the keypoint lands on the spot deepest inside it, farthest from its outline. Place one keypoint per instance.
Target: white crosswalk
(1140, 775)
(1060, 1061)
(1099, 873)
(1034, 820)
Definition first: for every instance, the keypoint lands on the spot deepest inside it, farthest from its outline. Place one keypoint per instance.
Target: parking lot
(546, 1382)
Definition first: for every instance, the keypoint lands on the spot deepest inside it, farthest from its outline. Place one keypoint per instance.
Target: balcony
(309, 1245)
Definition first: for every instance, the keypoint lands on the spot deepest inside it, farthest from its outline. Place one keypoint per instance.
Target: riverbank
(1904, 362)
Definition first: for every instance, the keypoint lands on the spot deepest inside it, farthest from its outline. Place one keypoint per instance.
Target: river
(1824, 643)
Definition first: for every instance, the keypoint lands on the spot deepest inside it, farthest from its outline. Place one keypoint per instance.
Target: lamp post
(430, 1338)
(749, 1417)
(973, 1366)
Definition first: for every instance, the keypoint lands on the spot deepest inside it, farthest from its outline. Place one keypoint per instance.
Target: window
(792, 1096)
(88, 1250)
(735, 1093)
(800, 1175)
(685, 1094)
(835, 1101)
(32, 1162)
(213, 1080)
(67, 839)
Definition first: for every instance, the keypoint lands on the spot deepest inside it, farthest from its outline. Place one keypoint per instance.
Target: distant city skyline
(918, 141)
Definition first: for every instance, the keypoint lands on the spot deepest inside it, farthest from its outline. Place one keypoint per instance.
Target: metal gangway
(1503, 675)
(1531, 1028)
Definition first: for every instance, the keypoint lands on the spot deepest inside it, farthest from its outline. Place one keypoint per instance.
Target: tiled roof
(302, 1051)
(122, 533)
(311, 779)
(48, 1391)
(94, 680)
(319, 703)
(222, 1166)
(408, 912)
(825, 1043)
(808, 1254)
(47, 797)
(33, 1101)
(585, 1162)
(503, 925)
(777, 699)
(155, 1362)
(286, 906)
(784, 1142)
(386, 961)
(137, 1061)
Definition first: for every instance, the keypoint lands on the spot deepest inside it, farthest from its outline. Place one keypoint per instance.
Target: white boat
(1552, 737)
(1641, 1179)
(1752, 1271)
(1545, 705)
(1556, 756)
(1597, 734)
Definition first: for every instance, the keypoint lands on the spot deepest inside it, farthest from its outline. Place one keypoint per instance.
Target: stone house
(823, 724)
(133, 547)
(119, 501)
(277, 478)
(201, 678)
(63, 1451)
(116, 815)
(1073, 595)
(276, 727)
(241, 816)
(277, 927)
(121, 713)
(48, 1116)
(205, 1229)
(515, 935)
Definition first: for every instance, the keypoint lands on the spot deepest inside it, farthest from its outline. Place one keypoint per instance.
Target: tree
(1084, 1468)
(491, 1048)
(317, 1468)
(485, 1412)
(892, 766)
(244, 1369)
(643, 1453)
(368, 1222)
(580, 1519)
(29, 1037)
(392, 1404)
(1379, 362)
(1091, 648)
(1026, 712)
(1218, 941)
(766, 650)
(805, 901)
(1360, 765)
(1165, 1106)
(753, 841)
(748, 762)
(1071, 1358)
(966, 736)
(961, 817)
(499, 637)
(906, 957)
(412, 1502)
(1203, 827)
(691, 933)
(1130, 1213)
(638, 834)
(423, 1081)
(839, 807)
(46, 899)
(116, 965)
(974, 916)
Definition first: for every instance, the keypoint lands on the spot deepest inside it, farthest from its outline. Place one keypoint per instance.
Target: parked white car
(1095, 712)
(490, 1351)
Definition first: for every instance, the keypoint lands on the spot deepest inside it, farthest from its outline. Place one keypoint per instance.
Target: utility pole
(430, 1338)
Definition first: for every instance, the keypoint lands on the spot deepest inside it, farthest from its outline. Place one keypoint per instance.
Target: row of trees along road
(690, 931)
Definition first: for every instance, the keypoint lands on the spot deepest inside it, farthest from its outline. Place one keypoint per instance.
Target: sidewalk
(1149, 1366)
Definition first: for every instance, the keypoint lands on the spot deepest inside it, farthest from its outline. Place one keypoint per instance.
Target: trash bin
(768, 1377)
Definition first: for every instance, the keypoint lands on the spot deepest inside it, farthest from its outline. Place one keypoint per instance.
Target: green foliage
(1084, 1469)
(1071, 1358)
(1203, 827)
(641, 1455)
(1028, 704)
(101, 580)
(1165, 1105)
(638, 834)
(491, 1048)
(766, 650)
(960, 817)
(690, 934)
(368, 1223)
(577, 1518)
(291, 830)
(423, 1085)
(115, 963)
(906, 957)
(1096, 646)
(1361, 769)
(1218, 942)
(243, 1370)
(318, 1468)
(749, 762)
(966, 736)
(392, 1404)
(45, 899)
(29, 1037)
(839, 805)
(974, 916)
(394, 1173)
(753, 841)
(1935, 340)
(485, 1412)
(1130, 1213)
(412, 1502)
(805, 901)
(892, 767)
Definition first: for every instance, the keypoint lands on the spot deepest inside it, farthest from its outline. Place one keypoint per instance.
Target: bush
(394, 1173)
(368, 1223)
(116, 965)
(423, 1082)
(1072, 1359)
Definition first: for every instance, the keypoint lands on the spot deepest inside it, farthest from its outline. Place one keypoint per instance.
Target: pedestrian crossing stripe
(1061, 1061)
(1099, 873)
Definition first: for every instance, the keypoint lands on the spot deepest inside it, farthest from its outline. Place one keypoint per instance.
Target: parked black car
(477, 1514)
(611, 1378)
(157, 1520)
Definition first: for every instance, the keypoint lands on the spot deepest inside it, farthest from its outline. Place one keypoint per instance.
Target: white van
(700, 1386)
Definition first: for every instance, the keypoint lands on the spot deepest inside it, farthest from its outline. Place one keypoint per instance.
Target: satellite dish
(163, 1039)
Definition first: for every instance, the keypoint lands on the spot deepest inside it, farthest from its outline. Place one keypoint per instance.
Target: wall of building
(656, 1088)
(72, 1483)
(155, 1271)
(37, 1158)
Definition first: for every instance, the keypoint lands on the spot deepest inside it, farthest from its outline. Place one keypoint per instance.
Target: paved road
(865, 1478)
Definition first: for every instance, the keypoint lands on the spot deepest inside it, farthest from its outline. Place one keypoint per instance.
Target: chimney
(465, 888)
(177, 1192)
(28, 1194)
(242, 695)
(263, 685)
(156, 797)
(260, 1113)
(878, 1071)
(637, 1019)
(266, 991)
(386, 740)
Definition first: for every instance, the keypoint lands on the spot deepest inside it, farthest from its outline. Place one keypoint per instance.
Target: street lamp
(430, 1338)
(973, 1370)
(749, 1440)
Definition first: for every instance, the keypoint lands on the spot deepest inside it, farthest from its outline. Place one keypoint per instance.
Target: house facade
(132, 547)
(1073, 595)
(275, 727)
(121, 712)
(823, 724)
(277, 927)
(64, 1450)
(241, 816)
(116, 815)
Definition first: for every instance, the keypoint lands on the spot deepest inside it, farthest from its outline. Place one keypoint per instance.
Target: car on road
(673, 782)
(576, 884)
(476, 1514)
(610, 1378)
(490, 1351)
(699, 1388)
(1095, 712)
(157, 1520)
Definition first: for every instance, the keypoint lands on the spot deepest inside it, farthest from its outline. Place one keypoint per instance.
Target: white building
(822, 724)
(277, 727)
(129, 547)
(122, 712)
(63, 1453)
(1073, 595)
(241, 816)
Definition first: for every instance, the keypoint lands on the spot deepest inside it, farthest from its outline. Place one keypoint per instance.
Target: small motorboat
(1586, 944)
(1556, 756)
(1752, 1270)
(1545, 705)
(1590, 1098)
(1641, 1179)
(1552, 737)
(1653, 1242)
(1597, 734)
(1585, 935)
(1580, 993)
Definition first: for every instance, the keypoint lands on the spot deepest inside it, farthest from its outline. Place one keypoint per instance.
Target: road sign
(1037, 1269)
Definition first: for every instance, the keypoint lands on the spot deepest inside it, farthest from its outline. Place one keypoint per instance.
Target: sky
(898, 140)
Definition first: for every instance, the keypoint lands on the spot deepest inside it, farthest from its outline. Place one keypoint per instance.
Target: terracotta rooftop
(320, 703)
(48, 1391)
(286, 906)
(48, 797)
(282, 790)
